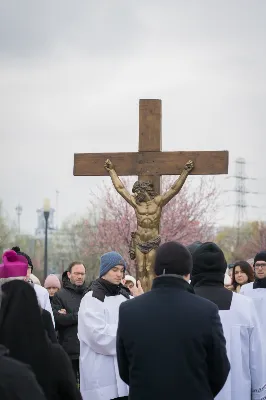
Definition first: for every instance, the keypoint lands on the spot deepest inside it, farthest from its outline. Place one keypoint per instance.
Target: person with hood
(244, 339)
(170, 342)
(65, 303)
(17, 381)
(97, 326)
(42, 295)
(257, 289)
(23, 334)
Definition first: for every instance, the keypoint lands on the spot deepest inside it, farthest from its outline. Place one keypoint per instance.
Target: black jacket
(49, 326)
(17, 381)
(215, 292)
(63, 385)
(68, 298)
(170, 344)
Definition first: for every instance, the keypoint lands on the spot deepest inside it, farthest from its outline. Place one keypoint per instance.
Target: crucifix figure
(148, 207)
(149, 163)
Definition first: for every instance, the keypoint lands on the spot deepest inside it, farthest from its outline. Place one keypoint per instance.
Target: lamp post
(46, 213)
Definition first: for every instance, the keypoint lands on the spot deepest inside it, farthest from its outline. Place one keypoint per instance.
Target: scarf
(259, 283)
(82, 289)
(101, 288)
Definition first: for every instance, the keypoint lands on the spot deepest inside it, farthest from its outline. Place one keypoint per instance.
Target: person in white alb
(257, 289)
(245, 341)
(97, 329)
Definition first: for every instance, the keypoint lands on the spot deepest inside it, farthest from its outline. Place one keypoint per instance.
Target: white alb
(97, 328)
(259, 297)
(245, 350)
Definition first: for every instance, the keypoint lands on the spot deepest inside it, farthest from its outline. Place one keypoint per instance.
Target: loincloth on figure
(145, 247)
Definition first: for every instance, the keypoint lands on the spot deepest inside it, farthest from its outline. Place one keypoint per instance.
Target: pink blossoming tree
(188, 217)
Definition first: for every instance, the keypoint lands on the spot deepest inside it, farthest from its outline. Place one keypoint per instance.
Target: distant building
(63, 250)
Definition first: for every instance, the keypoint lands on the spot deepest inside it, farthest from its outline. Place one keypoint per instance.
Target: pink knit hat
(52, 281)
(14, 265)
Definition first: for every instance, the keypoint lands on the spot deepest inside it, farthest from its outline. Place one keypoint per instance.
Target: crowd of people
(199, 333)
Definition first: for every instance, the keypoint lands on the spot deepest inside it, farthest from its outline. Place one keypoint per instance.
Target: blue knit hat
(109, 261)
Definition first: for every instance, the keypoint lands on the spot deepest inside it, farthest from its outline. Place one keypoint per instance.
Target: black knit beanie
(259, 283)
(172, 258)
(208, 259)
(17, 250)
(261, 256)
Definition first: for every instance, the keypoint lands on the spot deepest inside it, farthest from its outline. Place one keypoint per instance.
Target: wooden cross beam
(150, 163)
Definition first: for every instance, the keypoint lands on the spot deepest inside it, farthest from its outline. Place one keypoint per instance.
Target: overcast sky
(71, 75)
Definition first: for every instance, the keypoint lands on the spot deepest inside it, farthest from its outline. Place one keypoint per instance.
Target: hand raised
(189, 166)
(137, 290)
(108, 165)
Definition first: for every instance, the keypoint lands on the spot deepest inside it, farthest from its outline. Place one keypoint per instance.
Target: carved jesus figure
(148, 207)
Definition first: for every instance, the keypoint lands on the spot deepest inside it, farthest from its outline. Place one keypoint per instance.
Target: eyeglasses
(260, 265)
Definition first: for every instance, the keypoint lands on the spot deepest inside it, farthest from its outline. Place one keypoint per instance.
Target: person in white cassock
(97, 329)
(245, 341)
(257, 289)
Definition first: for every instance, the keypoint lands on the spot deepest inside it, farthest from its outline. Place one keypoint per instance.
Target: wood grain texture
(150, 134)
(153, 163)
(150, 125)
(150, 163)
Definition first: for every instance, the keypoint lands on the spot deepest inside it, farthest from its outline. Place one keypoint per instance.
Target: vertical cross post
(150, 134)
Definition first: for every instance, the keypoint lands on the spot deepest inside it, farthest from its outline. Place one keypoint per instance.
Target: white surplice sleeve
(257, 357)
(93, 329)
(47, 306)
(44, 299)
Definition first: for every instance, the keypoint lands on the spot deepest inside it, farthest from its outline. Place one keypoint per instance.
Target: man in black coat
(66, 304)
(170, 342)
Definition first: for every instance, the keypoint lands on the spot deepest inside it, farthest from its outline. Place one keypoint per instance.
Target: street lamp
(46, 213)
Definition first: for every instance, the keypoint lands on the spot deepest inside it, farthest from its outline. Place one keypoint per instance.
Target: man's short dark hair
(71, 265)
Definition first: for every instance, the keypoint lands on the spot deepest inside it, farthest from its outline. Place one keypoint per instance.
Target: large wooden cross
(150, 163)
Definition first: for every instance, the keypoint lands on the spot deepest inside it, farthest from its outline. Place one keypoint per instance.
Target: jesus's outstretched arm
(177, 186)
(119, 187)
